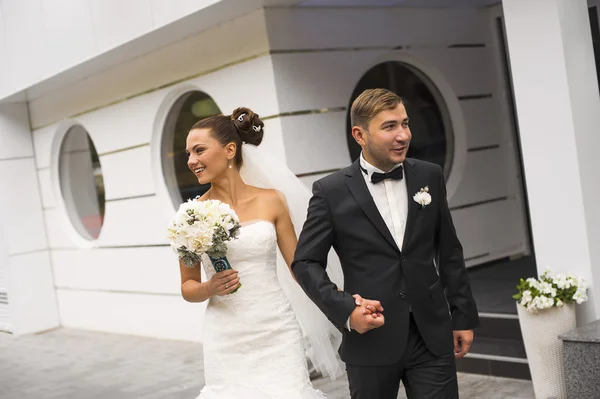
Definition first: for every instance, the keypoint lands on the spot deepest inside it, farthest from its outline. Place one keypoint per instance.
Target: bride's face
(207, 158)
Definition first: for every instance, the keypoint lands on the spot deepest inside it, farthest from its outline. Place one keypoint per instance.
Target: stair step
(499, 326)
(499, 347)
(497, 366)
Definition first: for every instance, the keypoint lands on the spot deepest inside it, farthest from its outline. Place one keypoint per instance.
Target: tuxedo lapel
(411, 174)
(358, 188)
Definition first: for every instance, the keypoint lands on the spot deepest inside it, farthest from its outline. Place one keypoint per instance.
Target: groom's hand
(462, 342)
(369, 306)
(367, 315)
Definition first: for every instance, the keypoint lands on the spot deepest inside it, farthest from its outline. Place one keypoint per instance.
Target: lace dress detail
(253, 345)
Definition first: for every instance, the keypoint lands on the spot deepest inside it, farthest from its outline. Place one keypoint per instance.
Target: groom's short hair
(371, 102)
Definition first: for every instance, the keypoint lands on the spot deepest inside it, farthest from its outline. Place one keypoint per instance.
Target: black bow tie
(376, 177)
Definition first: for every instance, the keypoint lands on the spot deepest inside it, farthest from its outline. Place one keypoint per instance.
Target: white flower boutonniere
(423, 197)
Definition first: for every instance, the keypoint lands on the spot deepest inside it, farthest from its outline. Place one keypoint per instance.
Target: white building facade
(96, 96)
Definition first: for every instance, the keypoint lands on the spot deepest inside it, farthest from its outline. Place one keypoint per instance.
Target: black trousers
(424, 375)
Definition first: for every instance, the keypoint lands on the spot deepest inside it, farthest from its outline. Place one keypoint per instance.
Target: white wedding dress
(253, 344)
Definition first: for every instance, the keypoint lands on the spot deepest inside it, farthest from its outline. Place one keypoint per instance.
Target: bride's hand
(223, 283)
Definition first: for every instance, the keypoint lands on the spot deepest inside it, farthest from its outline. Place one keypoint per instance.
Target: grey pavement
(76, 364)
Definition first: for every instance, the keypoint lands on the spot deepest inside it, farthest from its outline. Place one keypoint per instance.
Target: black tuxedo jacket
(343, 215)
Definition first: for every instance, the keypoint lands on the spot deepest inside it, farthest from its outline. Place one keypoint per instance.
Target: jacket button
(403, 259)
(402, 295)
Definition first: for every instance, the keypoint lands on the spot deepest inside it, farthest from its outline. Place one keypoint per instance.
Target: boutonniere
(423, 197)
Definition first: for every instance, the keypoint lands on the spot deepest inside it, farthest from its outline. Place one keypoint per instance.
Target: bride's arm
(194, 290)
(286, 235)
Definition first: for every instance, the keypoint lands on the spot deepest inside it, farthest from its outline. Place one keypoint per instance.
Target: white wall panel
(230, 42)
(15, 136)
(49, 198)
(4, 66)
(377, 27)
(61, 233)
(164, 12)
(484, 128)
(31, 291)
(21, 206)
(273, 138)
(468, 70)
(158, 316)
(116, 22)
(6, 322)
(150, 270)
(42, 144)
(126, 124)
(484, 178)
(137, 221)
(127, 173)
(25, 41)
(69, 31)
(249, 84)
(486, 228)
(327, 79)
(307, 81)
(315, 142)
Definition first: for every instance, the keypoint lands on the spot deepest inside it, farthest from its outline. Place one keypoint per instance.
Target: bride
(256, 338)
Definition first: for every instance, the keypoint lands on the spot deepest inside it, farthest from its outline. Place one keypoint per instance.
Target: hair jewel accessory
(241, 117)
(257, 128)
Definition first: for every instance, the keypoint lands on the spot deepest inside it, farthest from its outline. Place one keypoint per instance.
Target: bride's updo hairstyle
(242, 126)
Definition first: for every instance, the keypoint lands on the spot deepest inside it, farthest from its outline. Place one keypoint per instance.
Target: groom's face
(385, 142)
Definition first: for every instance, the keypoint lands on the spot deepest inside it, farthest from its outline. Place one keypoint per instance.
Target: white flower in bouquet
(550, 290)
(202, 227)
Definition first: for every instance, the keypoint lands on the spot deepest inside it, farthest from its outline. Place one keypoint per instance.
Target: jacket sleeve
(310, 261)
(452, 270)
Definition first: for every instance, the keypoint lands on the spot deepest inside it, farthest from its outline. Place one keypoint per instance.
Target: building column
(558, 109)
(24, 256)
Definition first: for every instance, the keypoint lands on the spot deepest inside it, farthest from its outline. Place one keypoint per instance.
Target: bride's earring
(230, 166)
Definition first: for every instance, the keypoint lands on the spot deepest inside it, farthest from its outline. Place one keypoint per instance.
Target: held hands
(367, 315)
(462, 342)
(223, 283)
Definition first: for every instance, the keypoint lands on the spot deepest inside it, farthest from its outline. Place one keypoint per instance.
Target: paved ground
(75, 364)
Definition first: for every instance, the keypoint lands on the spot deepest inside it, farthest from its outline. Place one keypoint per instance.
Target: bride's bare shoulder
(266, 194)
(269, 196)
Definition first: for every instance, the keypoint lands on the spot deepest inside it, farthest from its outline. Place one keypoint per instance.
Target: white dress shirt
(391, 199)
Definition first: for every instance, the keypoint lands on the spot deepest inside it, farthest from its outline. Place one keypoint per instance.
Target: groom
(399, 252)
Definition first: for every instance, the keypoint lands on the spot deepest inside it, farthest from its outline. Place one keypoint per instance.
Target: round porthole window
(81, 182)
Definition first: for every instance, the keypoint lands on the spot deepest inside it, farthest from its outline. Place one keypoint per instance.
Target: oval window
(81, 182)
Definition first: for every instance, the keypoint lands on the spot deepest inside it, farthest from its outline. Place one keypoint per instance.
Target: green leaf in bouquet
(189, 259)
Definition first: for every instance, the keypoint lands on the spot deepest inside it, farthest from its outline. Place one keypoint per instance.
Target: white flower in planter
(550, 290)
(580, 297)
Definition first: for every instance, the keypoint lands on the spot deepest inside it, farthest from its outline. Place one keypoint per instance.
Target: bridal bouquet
(550, 290)
(203, 227)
